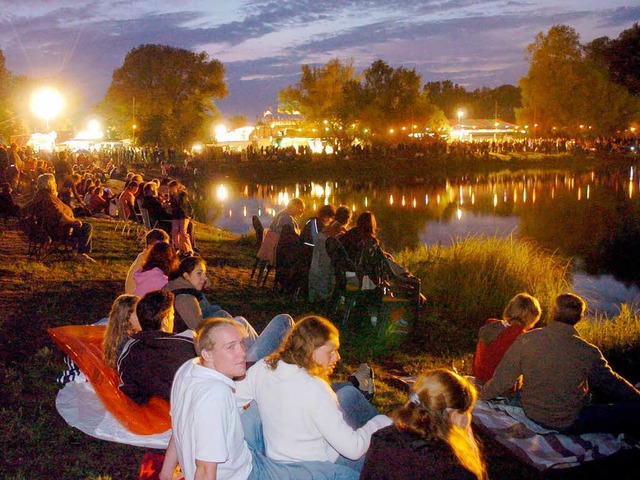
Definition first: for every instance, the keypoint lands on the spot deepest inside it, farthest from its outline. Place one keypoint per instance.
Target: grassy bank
(36, 441)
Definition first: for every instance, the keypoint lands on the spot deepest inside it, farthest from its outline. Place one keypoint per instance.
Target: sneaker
(362, 379)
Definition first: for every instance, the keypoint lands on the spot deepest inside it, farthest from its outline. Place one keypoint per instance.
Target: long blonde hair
(298, 346)
(426, 414)
(119, 328)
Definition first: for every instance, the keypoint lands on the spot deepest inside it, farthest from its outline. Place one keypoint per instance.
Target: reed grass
(621, 332)
(473, 279)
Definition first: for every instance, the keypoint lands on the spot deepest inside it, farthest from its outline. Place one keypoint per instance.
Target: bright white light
(220, 131)
(221, 193)
(93, 126)
(197, 148)
(46, 103)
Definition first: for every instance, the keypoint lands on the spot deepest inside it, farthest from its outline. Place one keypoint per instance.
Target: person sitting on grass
(192, 307)
(208, 439)
(160, 262)
(122, 324)
(496, 336)
(303, 418)
(57, 218)
(559, 370)
(191, 304)
(153, 236)
(150, 359)
(431, 436)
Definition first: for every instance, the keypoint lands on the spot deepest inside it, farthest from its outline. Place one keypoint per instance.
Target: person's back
(431, 437)
(149, 361)
(151, 358)
(558, 370)
(496, 336)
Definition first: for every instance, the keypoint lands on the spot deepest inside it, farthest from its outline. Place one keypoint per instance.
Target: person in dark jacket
(151, 358)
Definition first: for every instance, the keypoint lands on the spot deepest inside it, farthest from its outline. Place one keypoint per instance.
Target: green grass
(464, 284)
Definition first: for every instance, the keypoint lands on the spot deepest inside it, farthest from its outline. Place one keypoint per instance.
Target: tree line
(163, 95)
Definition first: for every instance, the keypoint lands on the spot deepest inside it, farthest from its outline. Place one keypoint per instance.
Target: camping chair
(123, 218)
(382, 284)
(148, 223)
(263, 266)
(40, 242)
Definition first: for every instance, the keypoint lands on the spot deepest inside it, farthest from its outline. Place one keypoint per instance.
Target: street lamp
(46, 103)
(460, 114)
(133, 129)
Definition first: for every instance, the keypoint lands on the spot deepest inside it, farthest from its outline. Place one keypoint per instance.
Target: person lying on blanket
(431, 435)
(208, 440)
(559, 372)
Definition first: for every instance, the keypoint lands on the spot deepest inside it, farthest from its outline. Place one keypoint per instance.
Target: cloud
(263, 42)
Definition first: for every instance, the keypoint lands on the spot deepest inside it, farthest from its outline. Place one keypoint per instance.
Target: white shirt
(301, 417)
(206, 422)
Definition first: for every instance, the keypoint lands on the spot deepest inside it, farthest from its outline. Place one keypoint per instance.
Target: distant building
(479, 129)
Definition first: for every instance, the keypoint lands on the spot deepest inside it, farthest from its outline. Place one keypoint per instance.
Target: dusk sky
(263, 43)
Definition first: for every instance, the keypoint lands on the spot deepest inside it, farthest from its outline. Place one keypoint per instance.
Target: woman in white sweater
(303, 419)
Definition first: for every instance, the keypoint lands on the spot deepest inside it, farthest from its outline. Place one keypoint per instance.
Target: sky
(263, 43)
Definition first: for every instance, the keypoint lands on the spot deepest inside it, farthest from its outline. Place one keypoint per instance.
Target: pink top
(149, 281)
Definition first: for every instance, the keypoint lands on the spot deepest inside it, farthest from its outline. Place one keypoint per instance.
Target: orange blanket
(83, 344)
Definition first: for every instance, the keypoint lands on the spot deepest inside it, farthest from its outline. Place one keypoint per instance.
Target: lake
(592, 216)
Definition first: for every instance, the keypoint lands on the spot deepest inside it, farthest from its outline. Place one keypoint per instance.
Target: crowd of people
(249, 406)
(256, 406)
(67, 189)
(318, 260)
(429, 147)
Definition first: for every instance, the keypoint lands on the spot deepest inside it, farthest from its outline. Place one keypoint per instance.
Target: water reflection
(593, 216)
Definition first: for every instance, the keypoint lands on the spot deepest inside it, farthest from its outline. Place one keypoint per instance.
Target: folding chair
(262, 266)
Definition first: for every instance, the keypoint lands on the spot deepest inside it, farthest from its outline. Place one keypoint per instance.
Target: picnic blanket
(539, 447)
(533, 444)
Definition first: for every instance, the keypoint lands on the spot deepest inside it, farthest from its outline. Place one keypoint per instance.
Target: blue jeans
(259, 346)
(81, 237)
(214, 311)
(265, 468)
(357, 412)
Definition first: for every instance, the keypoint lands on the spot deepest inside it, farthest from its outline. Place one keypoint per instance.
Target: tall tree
(565, 88)
(621, 57)
(393, 99)
(450, 97)
(319, 94)
(168, 92)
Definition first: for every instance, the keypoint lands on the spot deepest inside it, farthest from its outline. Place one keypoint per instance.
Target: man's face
(228, 356)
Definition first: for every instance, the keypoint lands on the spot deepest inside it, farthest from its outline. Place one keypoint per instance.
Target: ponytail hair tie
(414, 398)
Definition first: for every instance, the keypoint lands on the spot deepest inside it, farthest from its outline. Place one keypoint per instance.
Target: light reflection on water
(592, 216)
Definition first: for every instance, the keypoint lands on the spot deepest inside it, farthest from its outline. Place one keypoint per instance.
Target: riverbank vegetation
(34, 296)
